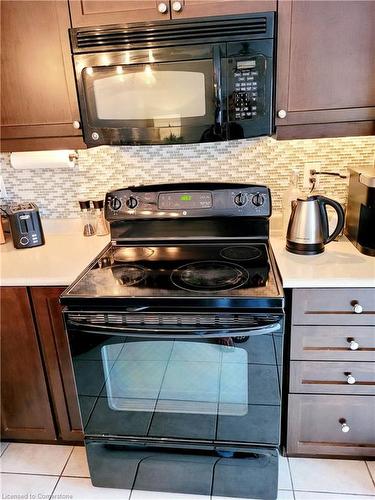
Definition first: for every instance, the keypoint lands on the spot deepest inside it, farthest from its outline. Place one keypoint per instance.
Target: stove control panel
(188, 200)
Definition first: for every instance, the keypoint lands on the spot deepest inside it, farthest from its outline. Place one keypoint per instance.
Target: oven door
(155, 96)
(161, 377)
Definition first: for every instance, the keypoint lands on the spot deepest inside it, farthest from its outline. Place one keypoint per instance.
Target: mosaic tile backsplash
(260, 161)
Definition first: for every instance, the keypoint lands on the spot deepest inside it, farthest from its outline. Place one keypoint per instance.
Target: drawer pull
(344, 426)
(350, 379)
(357, 308)
(353, 345)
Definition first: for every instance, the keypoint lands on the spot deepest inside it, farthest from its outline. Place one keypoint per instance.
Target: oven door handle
(246, 331)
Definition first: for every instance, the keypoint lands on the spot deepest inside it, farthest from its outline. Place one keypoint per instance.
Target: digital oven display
(183, 201)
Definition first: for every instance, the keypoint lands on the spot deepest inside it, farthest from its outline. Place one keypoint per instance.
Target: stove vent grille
(170, 34)
(171, 320)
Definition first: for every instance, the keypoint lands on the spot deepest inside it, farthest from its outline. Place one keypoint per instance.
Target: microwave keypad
(246, 78)
(245, 94)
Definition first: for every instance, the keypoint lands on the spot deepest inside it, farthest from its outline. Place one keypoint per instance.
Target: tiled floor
(48, 471)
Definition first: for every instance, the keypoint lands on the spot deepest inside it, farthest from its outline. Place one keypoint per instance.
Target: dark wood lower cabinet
(25, 405)
(38, 397)
(58, 366)
(331, 406)
(327, 425)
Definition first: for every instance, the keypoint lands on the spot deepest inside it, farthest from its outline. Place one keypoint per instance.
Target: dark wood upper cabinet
(93, 13)
(59, 371)
(202, 8)
(325, 66)
(25, 406)
(39, 102)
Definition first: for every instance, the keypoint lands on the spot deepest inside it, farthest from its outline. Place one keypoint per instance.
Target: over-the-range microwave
(178, 81)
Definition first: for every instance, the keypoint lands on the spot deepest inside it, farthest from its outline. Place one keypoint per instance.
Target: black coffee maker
(360, 213)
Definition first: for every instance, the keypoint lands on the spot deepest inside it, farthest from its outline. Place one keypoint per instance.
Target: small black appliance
(25, 225)
(176, 337)
(360, 212)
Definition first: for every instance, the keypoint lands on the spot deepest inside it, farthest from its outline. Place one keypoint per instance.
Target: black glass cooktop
(189, 270)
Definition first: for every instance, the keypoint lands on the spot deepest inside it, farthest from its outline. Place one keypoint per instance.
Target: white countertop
(341, 265)
(66, 254)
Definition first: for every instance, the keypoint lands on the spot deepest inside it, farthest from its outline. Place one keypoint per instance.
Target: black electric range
(176, 337)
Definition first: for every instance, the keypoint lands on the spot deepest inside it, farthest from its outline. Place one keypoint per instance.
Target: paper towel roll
(43, 159)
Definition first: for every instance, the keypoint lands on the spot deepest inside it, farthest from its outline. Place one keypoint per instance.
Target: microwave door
(152, 103)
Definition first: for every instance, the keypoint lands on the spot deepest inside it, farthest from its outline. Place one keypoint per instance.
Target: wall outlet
(3, 191)
(308, 175)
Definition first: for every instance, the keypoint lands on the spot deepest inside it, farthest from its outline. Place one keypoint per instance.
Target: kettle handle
(323, 201)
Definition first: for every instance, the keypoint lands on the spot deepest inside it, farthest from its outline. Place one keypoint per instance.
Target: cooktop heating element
(129, 275)
(132, 254)
(209, 275)
(241, 253)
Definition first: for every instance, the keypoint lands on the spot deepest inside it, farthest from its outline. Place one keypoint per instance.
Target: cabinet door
(25, 407)
(202, 8)
(39, 102)
(326, 67)
(94, 13)
(57, 361)
(316, 425)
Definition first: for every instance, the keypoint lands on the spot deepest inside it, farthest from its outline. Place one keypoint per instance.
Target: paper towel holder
(73, 156)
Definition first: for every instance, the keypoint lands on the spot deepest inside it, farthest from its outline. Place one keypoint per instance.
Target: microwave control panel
(245, 88)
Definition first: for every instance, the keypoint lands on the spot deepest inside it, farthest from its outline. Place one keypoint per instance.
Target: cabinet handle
(177, 6)
(76, 124)
(281, 113)
(353, 345)
(350, 379)
(344, 425)
(162, 8)
(357, 308)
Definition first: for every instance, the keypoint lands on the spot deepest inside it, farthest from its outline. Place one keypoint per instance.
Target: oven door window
(162, 95)
(177, 377)
(223, 389)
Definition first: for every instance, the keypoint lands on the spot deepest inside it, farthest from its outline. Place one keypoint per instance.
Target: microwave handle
(218, 90)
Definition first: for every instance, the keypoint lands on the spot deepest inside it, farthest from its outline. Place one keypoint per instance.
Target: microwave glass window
(150, 95)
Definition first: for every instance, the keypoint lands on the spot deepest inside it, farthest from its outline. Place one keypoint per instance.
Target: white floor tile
(285, 482)
(78, 488)
(26, 486)
(309, 495)
(3, 447)
(371, 466)
(331, 476)
(77, 465)
(285, 495)
(35, 458)
(281, 495)
(161, 495)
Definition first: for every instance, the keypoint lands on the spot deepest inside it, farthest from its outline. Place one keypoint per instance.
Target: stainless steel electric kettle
(308, 225)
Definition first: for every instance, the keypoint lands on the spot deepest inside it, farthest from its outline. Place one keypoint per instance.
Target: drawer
(332, 377)
(333, 306)
(316, 424)
(333, 343)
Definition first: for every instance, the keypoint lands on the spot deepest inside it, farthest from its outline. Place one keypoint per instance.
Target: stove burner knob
(240, 199)
(258, 199)
(116, 204)
(131, 202)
